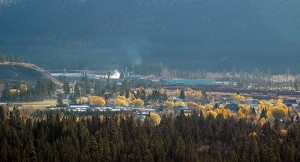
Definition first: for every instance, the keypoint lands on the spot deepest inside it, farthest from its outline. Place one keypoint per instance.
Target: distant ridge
(23, 72)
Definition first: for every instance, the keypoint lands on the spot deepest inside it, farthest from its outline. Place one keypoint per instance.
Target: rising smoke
(134, 51)
(133, 54)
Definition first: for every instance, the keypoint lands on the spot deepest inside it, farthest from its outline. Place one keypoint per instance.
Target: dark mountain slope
(211, 34)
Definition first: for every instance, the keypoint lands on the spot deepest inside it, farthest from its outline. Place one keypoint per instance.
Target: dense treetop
(57, 137)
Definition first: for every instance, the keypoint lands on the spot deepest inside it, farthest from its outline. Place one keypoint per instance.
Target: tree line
(26, 91)
(11, 58)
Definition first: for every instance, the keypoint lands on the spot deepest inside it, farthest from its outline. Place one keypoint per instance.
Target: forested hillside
(190, 34)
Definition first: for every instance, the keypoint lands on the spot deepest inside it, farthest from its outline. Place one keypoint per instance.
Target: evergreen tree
(66, 87)
(77, 90)
(164, 96)
(86, 85)
(180, 149)
(60, 100)
(125, 86)
(73, 99)
(2, 114)
(143, 96)
(97, 89)
(32, 152)
(4, 150)
(114, 87)
(156, 96)
(216, 106)
(182, 95)
(107, 85)
(92, 149)
(263, 113)
(51, 87)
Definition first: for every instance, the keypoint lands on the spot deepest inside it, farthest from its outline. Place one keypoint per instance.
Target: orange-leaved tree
(97, 101)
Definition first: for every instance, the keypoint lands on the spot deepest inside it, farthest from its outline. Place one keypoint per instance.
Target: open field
(35, 105)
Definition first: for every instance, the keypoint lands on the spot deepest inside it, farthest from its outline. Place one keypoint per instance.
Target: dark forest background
(188, 34)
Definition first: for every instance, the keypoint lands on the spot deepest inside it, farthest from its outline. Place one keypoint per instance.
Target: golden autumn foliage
(240, 114)
(52, 105)
(83, 99)
(283, 132)
(209, 106)
(190, 93)
(137, 102)
(101, 119)
(201, 107)
(187, 115)
(279, 103)
(262, 121)
(245, 109)
(257, 116)
(121, 101)
(180, 103)
(265, 105)
(169, 104)
(131, 103)
(97, 101)
(261, 106)
(14, 91)
(131, 96)
(121, 97)
(155, 117)
(238, 97)
(225, 112)
(217, 111)
(253, 134)
(275, 108)
(211, 112)
(77, 119)
(277, 112)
